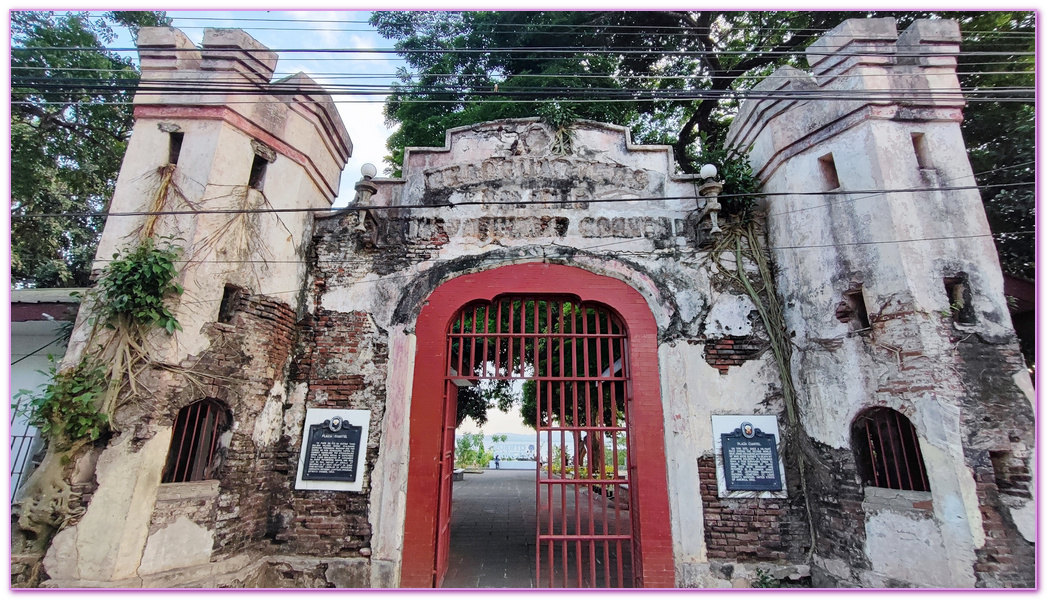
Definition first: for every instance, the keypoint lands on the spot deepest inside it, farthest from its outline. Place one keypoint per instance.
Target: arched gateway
(563, 309)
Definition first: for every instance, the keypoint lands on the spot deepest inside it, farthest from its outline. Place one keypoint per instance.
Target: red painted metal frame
(653, 560)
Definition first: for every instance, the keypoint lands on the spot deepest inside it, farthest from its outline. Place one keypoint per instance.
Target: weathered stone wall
(329, 314)
(958, 380)
(137, 531)
(341, 363)
(382, 264)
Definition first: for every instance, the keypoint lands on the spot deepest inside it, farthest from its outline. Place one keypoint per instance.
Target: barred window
(888, 451)
(194, 445)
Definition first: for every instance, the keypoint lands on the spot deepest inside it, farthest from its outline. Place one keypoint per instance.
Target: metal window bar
(894, 460)
(194, 442)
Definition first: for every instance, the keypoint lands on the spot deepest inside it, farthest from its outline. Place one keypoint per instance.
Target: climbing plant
(134, 287)
(741, 257)
(560, 117)
(67, 409)
(79, 405)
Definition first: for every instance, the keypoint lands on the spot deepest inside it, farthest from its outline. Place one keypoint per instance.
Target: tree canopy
(470, 67)
(70, 123)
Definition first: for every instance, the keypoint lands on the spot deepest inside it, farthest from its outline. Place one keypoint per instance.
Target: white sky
(497, 422)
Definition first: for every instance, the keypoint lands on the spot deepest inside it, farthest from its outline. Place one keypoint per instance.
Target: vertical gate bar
(883, 452)
(181, 446)
(537, 492)
(552, 563)
(487, 339)
(549, 339)
(618, 560)
(537, 330)
(509, 363)
(194, 445)
(919, 457)
(607, 562)
(498, 339)
(538, 517)
(461, 342)
(563, 554)
(472, 345)
(563, 451)
(578, 443)
(595, 442)
(549, 486)
(214, 437)
(626, 370)
(183, 418)
(452, 340)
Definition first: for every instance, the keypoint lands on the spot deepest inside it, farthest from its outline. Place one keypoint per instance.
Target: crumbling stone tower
(909, 463)
(212, 134)
(894, 298)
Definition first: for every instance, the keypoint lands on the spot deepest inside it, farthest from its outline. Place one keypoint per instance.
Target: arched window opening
(194, 445)
(888, 451)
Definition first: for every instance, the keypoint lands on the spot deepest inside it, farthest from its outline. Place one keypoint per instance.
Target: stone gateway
(903, 431)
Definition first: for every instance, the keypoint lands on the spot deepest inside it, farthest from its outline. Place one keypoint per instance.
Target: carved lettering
(625, 227)
(545, 177)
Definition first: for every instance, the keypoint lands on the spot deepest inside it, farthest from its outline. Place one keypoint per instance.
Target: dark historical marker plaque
(332, 451)
(750, 460)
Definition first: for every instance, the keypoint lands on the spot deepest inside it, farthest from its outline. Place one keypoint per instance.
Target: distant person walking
(497, 463)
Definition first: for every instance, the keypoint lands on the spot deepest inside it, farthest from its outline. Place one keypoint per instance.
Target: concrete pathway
(493, 535)
(492, 531)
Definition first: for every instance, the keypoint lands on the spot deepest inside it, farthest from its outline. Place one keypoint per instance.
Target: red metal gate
(574, 359)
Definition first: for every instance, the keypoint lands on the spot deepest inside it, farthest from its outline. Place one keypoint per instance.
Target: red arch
(647, 438)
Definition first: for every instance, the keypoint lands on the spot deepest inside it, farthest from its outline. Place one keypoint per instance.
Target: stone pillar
(879, 117)
(251, 146)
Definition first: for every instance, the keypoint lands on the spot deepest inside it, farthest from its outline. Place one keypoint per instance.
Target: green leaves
(136, 284)
(130, 296)
(69, 131)
(67, 409)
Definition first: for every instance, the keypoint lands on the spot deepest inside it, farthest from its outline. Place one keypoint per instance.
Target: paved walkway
(493, 535)
(492, 531)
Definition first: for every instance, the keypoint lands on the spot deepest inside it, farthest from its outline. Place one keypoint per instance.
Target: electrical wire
(852, 200)
(566, 50)
(338, 75)
(554, 26)
(58, 85)
(242, 211)
(491, 260)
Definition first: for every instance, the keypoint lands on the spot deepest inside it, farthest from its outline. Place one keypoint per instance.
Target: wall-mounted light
(364, 188)
(709, 189)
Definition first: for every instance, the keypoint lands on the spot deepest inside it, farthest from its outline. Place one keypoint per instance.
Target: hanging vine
(741, 240)
(79, 404)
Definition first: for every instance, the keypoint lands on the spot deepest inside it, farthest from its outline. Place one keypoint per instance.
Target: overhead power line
(280, 87)
(568, 50)
(492, 260)
(338, 75)
(240, 211)
(529, 26)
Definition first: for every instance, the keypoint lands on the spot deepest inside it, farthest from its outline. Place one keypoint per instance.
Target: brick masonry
(343, 357)
(740, 528)
(246, 358)
(732, 351)
(1000, 438)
